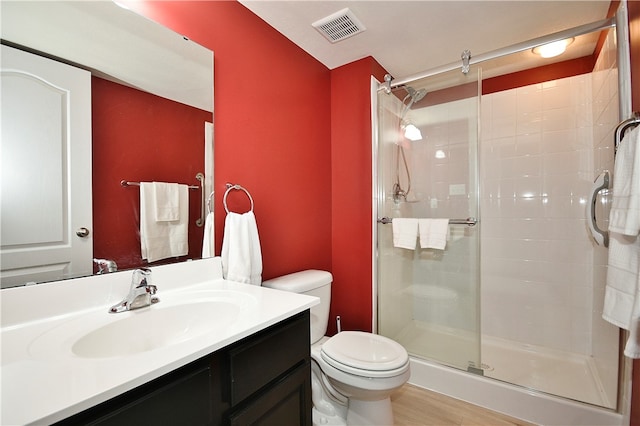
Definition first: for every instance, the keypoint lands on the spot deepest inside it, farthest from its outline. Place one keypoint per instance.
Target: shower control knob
(82, 232)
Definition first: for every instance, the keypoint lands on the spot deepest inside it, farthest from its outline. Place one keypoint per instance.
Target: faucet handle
(141, 278)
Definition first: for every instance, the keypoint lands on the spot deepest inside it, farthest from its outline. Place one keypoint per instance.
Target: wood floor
(419, 407)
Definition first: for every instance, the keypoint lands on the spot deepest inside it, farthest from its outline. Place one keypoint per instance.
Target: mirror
(151, 114)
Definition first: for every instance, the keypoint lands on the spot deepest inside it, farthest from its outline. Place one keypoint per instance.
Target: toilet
(352, 373)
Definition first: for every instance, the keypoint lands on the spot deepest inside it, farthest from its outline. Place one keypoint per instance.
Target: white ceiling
(408, 37)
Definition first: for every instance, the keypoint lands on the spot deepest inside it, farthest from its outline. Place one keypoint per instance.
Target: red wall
(541, 74)
(272, 129)
(140, 137)
(351, 193)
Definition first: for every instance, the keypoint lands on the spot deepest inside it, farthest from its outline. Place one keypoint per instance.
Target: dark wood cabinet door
(287, 403)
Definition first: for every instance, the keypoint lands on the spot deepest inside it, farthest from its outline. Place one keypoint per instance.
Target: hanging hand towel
(208, 241)
(621, 300)
(162, 240)
(625, 205)
(434, 233)
(167, 205)
(405, 232)
(241, 254)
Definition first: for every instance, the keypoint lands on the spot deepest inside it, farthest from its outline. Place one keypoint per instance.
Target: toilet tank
(313, 283)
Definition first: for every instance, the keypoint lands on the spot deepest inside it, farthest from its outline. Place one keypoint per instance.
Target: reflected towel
(434, 233)
(405, 232)
(241, 254)
(167, 204)
(162, 240)
(208, 241)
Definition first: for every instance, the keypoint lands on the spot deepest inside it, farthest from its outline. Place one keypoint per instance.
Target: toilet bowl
(353, 372)
(365, 368)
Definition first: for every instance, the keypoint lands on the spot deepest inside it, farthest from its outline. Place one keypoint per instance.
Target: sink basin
(148, 329)
(176, 319)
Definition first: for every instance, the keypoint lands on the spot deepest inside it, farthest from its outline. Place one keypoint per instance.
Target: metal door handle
(601, 237)
(82, 232)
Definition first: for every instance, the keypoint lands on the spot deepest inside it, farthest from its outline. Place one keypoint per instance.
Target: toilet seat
(365, 354)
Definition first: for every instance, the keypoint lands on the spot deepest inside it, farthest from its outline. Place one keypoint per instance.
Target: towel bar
(470, 221)
(200, 178)
(126, 183)
(622, 127)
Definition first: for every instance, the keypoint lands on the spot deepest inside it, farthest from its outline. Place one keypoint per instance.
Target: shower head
(414, 96)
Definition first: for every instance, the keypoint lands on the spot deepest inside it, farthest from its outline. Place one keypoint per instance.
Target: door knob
(82, 232)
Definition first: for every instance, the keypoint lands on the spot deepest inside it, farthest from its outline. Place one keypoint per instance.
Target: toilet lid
(364, 351)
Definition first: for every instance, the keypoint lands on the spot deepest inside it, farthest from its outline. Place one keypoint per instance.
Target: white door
(45, 203)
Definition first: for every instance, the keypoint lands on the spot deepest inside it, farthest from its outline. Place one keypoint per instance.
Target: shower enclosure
(516, 295)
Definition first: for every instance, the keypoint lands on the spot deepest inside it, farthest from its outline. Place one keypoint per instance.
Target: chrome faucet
(105, 265)
(141, 293)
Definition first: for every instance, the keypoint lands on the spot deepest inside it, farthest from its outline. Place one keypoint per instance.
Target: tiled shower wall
(541, 148)
(537, 259)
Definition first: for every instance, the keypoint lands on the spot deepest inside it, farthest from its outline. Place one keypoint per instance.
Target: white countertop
(43, 380)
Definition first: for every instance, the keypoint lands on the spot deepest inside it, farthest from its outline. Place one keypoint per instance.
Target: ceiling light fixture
(555, 48)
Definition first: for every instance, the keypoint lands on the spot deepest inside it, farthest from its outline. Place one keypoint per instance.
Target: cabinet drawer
(257, 361)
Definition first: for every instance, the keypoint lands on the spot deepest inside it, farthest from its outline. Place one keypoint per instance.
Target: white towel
(622, 280)
(625, 206)
(167, 204)
(434, 233)
(405, 232)
(162, 240)
(208, 241)
(241, 255)
(622, 301)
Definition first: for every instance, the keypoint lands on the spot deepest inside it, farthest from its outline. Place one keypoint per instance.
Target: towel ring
(238, 187)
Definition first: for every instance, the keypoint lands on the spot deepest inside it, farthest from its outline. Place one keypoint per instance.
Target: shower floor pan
(554, 372)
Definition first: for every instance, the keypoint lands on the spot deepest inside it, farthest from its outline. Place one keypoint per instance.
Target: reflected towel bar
(470, 221)
(200, 178)
(129, 183)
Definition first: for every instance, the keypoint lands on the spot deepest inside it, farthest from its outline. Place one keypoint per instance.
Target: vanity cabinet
(262, 379)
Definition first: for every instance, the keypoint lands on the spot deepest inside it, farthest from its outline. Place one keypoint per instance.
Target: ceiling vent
(338, 26)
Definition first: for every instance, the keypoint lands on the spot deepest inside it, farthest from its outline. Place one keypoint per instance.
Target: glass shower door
(428, 299)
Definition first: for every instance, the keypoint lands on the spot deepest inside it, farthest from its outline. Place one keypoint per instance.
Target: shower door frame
(449, 325)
